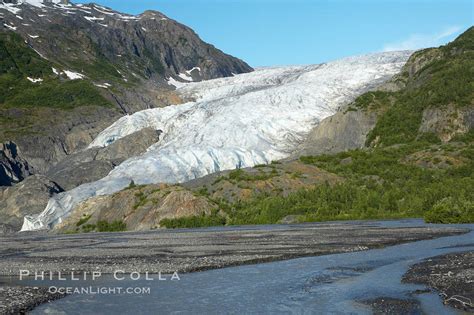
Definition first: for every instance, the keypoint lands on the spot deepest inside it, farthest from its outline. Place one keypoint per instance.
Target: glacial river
(331, 284)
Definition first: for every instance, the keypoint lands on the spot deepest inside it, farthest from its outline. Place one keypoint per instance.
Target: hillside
(414, 163)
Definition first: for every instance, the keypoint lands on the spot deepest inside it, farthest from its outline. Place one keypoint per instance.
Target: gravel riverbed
(167, 251)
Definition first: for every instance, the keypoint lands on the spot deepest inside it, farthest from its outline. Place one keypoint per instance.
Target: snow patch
(195, 68)
(10, 27)
(33, 36)
(104, 86)
(93, 18)
(34, 80)
(73, 75)
(10, 7)
(185, 76)
(172, 81)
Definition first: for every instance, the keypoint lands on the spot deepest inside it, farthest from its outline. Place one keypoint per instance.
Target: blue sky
(282, 32)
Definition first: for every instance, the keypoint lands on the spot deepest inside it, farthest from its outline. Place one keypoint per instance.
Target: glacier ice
(233, 122)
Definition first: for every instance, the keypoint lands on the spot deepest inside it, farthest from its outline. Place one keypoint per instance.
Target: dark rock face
(95, 163)
(13, 167)
(64, 134)
(25, 198)
(340, 132)
(448, 122)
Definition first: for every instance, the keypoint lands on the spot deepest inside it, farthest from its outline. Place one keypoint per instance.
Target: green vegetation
(115, 226)
(140, 201)
(377, 186)
(194, 221)
(451, 210)
(240, 175)
(447, 79)
(51, 93)
(101, 226)
(83, 220)
(18, 61)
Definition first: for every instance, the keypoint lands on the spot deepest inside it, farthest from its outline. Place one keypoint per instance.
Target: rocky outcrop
(25, 198)
(13, 167)
(140, 208)
(447, 122)
(343, 131)
(95, 163)
(59, 134)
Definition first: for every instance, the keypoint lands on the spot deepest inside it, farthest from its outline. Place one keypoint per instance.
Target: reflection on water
(326, 284)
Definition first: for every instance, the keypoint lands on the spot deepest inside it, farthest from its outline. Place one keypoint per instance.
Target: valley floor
(167, 251)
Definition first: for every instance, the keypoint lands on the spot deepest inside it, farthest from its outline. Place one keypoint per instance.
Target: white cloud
(417, 41)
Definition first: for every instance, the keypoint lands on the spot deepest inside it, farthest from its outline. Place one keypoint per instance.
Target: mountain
(409, 139)
(67, 71)
(235, 122)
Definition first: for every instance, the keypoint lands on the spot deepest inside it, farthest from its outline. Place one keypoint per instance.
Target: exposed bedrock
(25, 198)
(13, 167)
(340, 132)
(93, 164)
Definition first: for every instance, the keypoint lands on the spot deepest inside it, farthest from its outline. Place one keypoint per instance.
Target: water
(330, 284)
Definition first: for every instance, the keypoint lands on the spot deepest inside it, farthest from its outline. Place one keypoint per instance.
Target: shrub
(194, 221)
(451, 210)
(115, 226)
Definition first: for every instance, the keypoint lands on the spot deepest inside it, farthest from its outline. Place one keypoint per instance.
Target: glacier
(232, 122)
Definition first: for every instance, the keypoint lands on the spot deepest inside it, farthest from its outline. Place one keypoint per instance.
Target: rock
(279, 179)
(447, 122)
(95, 163)
(25, 198)
(13, 167)
(451, 275)
(340, 132)
(77, 174)
(62, 134)
(131, 145)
